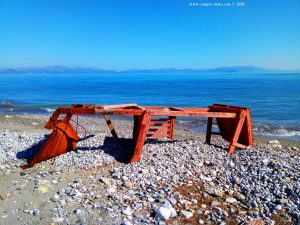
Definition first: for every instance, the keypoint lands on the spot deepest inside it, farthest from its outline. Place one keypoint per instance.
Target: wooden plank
(230, 106)
(53, 119)
(159, 129)
(172, 126)
(136, 126)
(224, 109)
(138, 111)
(239, 145)
(160, 119)
(155, 135)
(250, 128)
(105, 107)
(208, 130)
(119, 111)
(175, 109)
(110, 126)
(141, 137)
(194, 114)
(159, 125)
(236, 134)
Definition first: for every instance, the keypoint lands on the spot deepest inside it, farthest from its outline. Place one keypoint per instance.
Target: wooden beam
(110, 126)
(136, 126)
(239, 145)
(237, 131)
(105, 107)
(145, 117)
(208, 130)
(172, 126)
(158, 135)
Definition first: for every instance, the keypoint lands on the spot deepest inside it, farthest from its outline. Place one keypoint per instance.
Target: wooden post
(240, 119)
(249, 126)
(110, 126)
(208, 130)
(136, 126)
(142, 133)
(172, 125)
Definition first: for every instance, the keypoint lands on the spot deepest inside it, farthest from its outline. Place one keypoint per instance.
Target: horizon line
(157, 68)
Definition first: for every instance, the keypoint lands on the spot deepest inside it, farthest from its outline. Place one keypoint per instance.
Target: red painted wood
(234, 122)
(145, 117)
(159, 130)
(156, 135)
(172, 125)
(208, 130)
(159, 125)
(110, 126)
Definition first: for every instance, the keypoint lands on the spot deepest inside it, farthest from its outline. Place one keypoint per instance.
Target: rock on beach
(178, 180)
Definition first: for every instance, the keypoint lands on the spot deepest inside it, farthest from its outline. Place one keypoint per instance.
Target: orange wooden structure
(235, 125)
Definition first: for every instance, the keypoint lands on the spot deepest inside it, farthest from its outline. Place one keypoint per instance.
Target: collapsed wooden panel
(228, 126)
(161, 127)
(234, 122)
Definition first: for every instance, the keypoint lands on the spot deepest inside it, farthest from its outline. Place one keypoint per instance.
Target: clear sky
(124, 34)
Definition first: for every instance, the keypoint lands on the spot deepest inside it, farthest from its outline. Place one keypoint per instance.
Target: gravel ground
(176, 182)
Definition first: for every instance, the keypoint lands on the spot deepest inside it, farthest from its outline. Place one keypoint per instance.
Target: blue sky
(119, 34)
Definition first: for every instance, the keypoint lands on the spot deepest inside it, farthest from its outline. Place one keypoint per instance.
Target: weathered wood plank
(141, 137)
(159, 125)
(110, 126)
(155, 135)
(159, 130)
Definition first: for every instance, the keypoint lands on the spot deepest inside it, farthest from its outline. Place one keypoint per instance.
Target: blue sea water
(273, 98)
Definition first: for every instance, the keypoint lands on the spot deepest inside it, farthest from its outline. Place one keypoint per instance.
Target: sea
(274, 98)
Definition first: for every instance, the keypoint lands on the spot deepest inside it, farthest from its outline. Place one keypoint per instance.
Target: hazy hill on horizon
(89, 70)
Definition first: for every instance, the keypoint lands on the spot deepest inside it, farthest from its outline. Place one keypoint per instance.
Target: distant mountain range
(86, 70)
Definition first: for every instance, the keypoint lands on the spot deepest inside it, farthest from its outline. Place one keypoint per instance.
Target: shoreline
(272, 129)
(180, 181)
(36, 123)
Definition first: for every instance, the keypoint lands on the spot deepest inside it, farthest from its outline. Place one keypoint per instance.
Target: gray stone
(105, 180)
(215, 203)
(200, 221)
(126, 222)
(173, 201)
(283, 201)
(36, 212)
(199, 212)
(54, 198)
(127, 184)
(186, 214)
(231, 200)
(127, 211)
(163, 213)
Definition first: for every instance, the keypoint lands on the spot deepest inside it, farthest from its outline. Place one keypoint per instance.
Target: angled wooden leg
(110, 126)
(142, 133)
(237, 131)
(53, 119)
(249, 128)
(208, 130)
(136, 126)
(172, 124)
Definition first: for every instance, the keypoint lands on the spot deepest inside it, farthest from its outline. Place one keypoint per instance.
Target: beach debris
(43, 188)
(234, 124)
(275, 144)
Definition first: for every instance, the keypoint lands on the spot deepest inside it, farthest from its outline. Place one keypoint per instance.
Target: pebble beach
(183, 181)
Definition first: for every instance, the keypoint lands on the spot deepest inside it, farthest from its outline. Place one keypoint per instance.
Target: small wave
(50, 110)
(288, 132)
(6, 105)
(278, 133)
